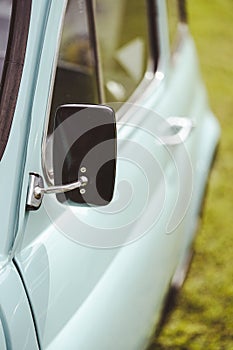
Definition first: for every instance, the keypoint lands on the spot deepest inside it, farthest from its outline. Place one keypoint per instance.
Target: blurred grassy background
(203, 317)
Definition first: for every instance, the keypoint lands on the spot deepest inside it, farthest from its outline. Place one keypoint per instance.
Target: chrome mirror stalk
(36, 189)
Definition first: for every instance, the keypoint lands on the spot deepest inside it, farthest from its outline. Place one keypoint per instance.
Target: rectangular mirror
(84, 144)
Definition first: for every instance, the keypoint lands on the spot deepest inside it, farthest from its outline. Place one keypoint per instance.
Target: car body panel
(83, 296)
(15, 313)
(12, 163)
(2, 338)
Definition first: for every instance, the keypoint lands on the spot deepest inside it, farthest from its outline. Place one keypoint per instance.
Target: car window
(5, 17)
(76, 76)
(122, 36)
(104, 47)
(122, 40)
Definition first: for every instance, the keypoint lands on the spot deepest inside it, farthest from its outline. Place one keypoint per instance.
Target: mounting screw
(37, 192)
(83, 169)
(37, 195)
(82, 191)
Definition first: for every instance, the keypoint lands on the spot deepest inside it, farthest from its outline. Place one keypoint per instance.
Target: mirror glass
(84, 143)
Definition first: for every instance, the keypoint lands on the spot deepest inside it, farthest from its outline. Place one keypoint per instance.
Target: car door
(96, 277)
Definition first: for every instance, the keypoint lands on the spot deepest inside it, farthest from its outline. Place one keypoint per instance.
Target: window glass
(122, 35)
(5, 15)
(75, 80)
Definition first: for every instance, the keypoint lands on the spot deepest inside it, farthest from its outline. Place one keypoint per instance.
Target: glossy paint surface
(2, 338)
(84, 297)
(15, 314)
(12, 163)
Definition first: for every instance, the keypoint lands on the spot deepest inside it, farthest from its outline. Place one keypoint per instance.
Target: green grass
(203, 317)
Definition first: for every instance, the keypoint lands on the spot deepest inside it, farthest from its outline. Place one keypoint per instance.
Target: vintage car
(106, 143)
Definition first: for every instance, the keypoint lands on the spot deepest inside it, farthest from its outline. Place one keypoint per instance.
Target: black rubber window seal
(13, 67)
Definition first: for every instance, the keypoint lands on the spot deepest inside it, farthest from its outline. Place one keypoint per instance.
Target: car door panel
(15, 313)
(82, 295)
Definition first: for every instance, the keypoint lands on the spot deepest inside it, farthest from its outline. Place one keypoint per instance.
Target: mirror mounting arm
(40, 191)
(36, 189)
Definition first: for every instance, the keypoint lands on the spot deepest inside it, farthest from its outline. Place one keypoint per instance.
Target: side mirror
(84, 144)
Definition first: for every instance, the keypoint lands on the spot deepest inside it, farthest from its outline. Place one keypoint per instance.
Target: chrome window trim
(182, 28)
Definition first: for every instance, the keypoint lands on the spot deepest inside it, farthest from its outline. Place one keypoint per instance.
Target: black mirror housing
(84, 144)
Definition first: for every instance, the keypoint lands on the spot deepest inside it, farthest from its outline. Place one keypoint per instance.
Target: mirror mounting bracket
(36, 189)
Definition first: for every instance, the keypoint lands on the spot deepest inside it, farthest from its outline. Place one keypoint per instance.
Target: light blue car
(106, 143)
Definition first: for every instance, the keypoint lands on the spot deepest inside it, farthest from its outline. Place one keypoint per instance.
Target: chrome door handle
(185, 124)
